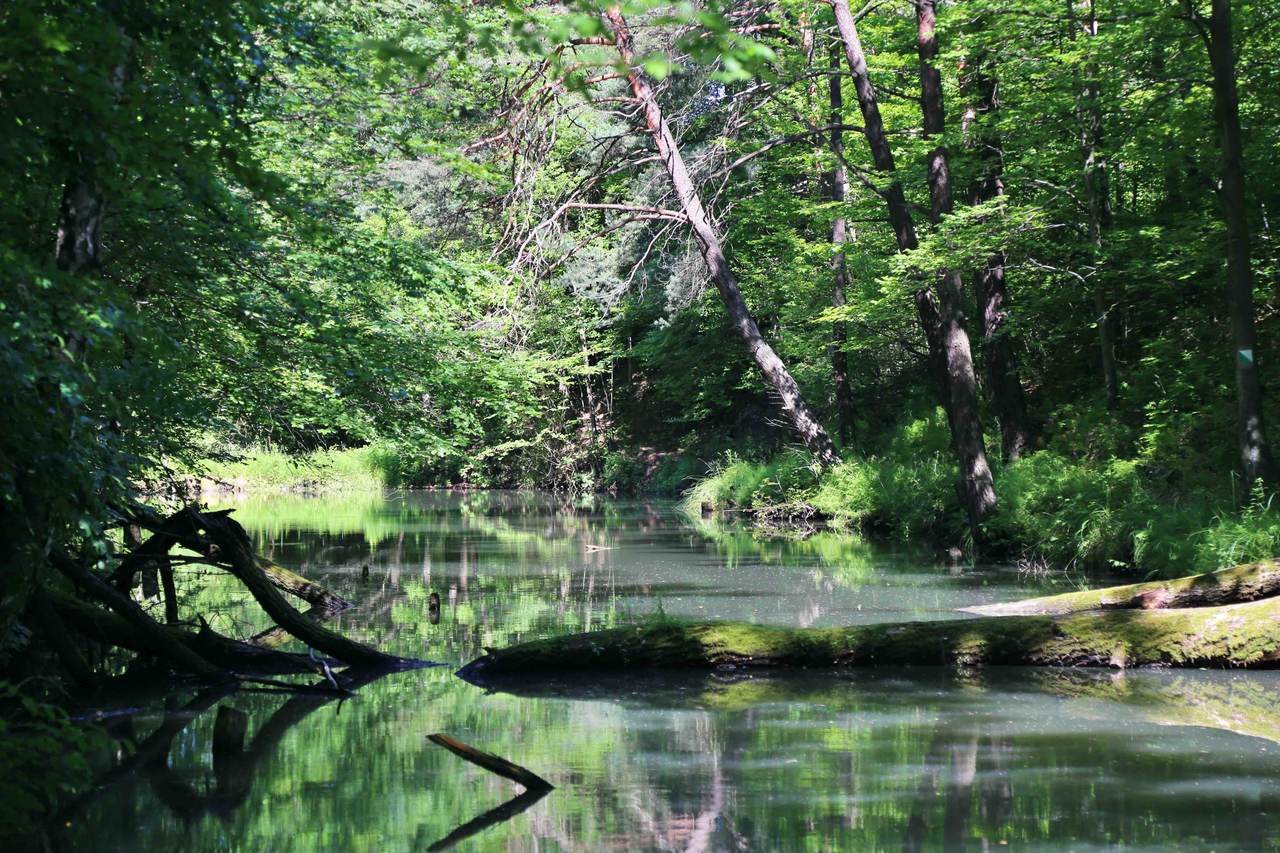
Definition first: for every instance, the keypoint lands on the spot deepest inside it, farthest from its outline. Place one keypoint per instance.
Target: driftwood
(171, 531)
(158, 640)
(232, 545)
(535, 789)
(232, 656)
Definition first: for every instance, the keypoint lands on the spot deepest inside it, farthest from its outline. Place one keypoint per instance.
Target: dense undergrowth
(1056, 509)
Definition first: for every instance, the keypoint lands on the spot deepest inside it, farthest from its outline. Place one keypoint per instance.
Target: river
(914, 759)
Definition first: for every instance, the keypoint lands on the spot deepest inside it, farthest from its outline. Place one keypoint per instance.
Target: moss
(1236, 584)
(1239, 635)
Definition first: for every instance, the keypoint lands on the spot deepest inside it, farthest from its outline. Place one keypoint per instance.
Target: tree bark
(977, 489)
(840, 235)
(904, 230)
(990, 288)
(802, 420)
(1248, 582)
(1256, 462)
(1097, 201)
(159, 642)
(78, 242)
(1235, 636)
(232, 545)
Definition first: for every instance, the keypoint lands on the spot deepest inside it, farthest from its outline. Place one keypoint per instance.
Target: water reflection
(909, 759)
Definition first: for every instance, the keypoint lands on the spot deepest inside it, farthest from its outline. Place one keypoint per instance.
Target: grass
(361, 469)
(1066, 511)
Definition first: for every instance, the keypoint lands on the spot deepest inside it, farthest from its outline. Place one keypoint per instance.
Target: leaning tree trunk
(1255, 453)
(840, 235)
(775, 372)
(977, 489)
(1098, 208)
(904, 229)
(991, 290)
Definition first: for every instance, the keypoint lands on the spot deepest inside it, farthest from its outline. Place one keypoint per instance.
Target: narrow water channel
(916, 759)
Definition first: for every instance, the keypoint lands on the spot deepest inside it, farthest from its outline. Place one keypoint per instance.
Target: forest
(996, 280)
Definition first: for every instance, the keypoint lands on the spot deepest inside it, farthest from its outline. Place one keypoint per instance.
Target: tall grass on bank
(360, 469)
(1053, 509)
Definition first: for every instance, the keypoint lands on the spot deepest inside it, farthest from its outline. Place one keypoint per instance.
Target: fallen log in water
(1248, 582)
(232, 655)
(312, 593)
(222, 542)
(493, 763)
(1235, 635)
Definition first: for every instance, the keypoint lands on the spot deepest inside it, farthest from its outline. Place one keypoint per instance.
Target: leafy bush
(1071, 513)
(622, 471)
(1252, 535)
(42, 756)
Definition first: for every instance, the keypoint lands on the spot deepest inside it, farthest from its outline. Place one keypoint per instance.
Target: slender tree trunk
(990, 288)
(775, 372)
(78, 242)
(1097, 199)
(1255, 453)
(942, 319)
(904, 230)
(839, 236)
(978, 493)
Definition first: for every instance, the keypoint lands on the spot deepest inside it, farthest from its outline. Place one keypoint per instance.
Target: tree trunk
(1229, 618)
(990, 289)
(232, 545)
(904, 230)
(1248, 582)
(839, 236)
(811, 432)
(1235, 635)
(951, 361)
(157, 637)
(977, 490)
(1098, 203)
(1255, 453)
(78, 242)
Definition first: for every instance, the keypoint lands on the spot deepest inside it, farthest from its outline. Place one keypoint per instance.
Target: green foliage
(344, 469)
(43, 755)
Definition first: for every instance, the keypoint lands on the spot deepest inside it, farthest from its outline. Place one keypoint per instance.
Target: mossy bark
(1238, 584)
(1238, 635)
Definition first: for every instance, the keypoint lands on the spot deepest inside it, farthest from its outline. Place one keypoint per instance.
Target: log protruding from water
(1248, 582)
(493, 763)
(1227, 636)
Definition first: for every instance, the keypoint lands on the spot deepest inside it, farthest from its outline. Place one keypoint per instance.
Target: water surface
(875, 760)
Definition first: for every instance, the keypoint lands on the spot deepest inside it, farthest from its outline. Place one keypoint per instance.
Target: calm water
(879, 760)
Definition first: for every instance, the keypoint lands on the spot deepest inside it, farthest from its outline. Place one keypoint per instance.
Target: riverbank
(1054, 512)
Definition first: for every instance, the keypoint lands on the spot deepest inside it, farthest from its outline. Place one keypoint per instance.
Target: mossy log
(1249, 582)
(1237, 635)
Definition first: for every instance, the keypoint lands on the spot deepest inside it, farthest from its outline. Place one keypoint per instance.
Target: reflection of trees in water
(234, 764)
(759, 764)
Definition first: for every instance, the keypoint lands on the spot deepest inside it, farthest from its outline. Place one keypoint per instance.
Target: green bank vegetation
(946, 270)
